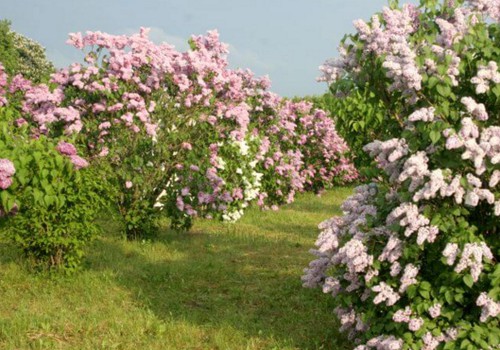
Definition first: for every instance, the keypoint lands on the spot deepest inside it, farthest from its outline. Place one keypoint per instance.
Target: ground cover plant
(413, 263)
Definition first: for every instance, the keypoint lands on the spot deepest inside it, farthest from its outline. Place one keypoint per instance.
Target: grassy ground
(217, 287)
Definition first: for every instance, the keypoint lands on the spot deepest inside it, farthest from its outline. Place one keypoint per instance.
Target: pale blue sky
(286, 39)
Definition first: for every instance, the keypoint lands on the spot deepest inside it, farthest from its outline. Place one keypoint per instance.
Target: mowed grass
(217, 287)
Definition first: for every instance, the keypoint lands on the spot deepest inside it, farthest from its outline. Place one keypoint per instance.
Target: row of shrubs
(413, 262)
(153, 132)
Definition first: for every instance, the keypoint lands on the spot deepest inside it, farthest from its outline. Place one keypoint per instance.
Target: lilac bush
(179, 132)
(413, 262)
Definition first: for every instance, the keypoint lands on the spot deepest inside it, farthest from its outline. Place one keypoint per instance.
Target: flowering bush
(413, 263)
(181, 133)
(300, 150)
(47, 205)
(32, 62)
(22, 55)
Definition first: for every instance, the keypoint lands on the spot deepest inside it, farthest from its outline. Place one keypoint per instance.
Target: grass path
(217, 287)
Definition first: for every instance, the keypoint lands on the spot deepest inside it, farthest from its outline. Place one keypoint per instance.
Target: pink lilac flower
(66, 148)
(7, 170)
(78, 162)
(5, 183)
(104, 152)
(20, 122)
(187, 146)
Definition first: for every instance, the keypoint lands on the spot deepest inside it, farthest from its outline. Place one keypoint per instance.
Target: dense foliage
(413, 263)
(47, 204)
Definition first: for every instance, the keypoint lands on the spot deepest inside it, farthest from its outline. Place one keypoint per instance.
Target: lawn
(216, 287)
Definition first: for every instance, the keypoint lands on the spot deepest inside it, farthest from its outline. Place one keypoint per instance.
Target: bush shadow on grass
(9, 253)
(217, 282)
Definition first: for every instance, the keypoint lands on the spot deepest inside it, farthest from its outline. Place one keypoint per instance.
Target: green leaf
(469, 282)
(435, 136)
(443, 90)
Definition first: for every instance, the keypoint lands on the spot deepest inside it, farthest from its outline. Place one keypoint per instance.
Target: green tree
(23, 55)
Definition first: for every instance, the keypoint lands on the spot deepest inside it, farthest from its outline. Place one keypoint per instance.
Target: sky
(285, 39)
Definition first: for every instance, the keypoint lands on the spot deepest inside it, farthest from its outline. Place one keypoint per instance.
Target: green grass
(217, 287)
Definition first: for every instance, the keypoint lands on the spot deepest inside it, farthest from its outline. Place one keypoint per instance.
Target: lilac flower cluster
(489, 308)
(389, 40)
(67, 149)
(407, 215)
(472, 258)
(387, 154)
(7, 171)
(382, 343)
(353, 253)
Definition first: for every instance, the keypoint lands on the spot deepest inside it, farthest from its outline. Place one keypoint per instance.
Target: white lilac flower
(430, 342)
(472, 257)
(387, 154)
(354, 255)
(402, 315)
(331, 286)
(422, 114)
(386, 343)
(408, 277)
(477, 110)
(489, 308)
(415, 168)
(451, 252)
(395, 269)
(432, 187)
(415, 324)
(385, 293)
(485, 76)
(435, 310)
(494, 179)
(392, 250)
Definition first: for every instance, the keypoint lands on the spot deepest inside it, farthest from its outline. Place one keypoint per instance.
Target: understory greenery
(413, 262)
